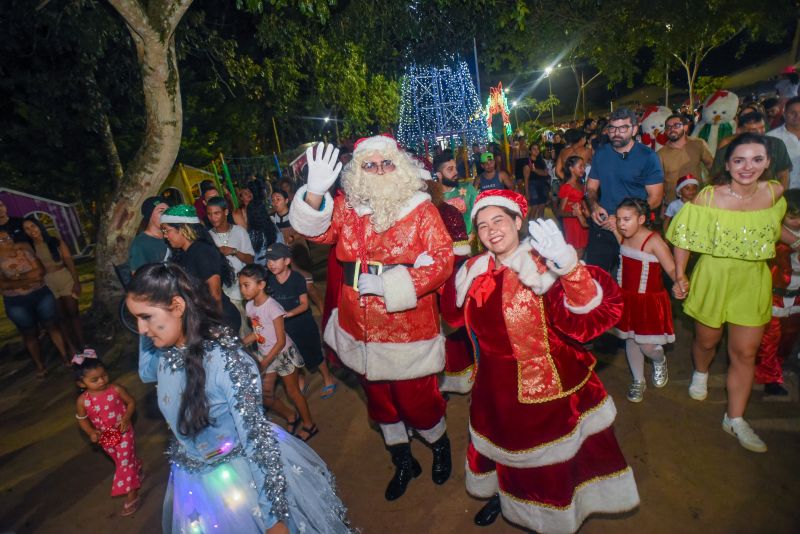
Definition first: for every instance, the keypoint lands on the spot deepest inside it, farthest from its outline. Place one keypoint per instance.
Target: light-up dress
(242, 473)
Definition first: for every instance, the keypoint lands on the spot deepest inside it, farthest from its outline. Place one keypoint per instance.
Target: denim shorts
(27, 311)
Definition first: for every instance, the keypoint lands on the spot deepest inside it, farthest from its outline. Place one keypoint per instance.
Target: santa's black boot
(489, 512)
(442, 462)
(406, 468)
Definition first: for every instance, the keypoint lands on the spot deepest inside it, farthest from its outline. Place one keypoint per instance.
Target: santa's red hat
(378, 143)
(501, 197)
(649, 110)
(683, 181)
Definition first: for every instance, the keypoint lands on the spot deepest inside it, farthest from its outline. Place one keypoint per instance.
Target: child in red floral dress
(104, 412)
(572, 206)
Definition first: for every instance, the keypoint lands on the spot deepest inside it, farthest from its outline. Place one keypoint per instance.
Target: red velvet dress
(647, 315)
(550, 454)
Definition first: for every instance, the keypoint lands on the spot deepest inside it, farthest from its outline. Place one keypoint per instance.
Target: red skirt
(646, 318)
(575, 234)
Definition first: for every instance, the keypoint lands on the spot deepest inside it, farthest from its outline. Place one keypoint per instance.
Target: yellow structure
(185, 180)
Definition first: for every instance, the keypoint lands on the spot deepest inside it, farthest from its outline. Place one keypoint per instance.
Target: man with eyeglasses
(682, 155)
(621, 168)
(395, 253)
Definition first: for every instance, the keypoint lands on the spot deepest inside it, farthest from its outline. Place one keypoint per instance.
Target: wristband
(78, 417)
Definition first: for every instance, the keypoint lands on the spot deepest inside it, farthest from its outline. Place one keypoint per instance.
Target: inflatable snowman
(653, 119)
(719, 118)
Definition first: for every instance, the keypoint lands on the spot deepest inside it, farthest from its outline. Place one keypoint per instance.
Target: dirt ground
(692, 477)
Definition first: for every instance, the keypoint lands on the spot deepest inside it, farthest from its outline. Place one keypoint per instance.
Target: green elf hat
(180, 214)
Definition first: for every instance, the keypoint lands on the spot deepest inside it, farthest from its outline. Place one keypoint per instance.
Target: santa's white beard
(386, 195)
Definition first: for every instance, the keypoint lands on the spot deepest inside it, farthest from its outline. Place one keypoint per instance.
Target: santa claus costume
(542, 445)
(459, 359)
(386, 325)
(784, 327)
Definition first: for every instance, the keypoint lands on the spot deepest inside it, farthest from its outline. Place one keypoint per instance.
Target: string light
(438, 104)
(497, 104)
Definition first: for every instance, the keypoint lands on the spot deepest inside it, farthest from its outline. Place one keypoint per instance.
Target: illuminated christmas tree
(440, 103)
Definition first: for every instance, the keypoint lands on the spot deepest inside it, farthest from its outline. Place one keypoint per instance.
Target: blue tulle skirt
(225, 498)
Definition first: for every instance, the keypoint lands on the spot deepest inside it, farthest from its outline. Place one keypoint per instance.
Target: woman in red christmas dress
(542, 447)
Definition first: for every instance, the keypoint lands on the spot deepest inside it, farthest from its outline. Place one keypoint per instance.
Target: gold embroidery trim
(468, 370)
(563, 438)
(617, 474)
(546, 336)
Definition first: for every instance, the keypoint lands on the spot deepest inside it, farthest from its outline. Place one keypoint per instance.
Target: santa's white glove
(370, 284)
(423, 260)
(548, 241)
(323, 167)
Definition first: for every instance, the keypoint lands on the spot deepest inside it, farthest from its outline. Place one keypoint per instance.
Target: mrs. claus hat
(501, 197)
(684, 181)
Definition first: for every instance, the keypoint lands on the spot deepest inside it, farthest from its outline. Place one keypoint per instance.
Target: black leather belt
(779, 291)
(353, 268)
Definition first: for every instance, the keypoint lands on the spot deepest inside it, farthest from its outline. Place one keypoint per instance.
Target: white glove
(370, 284)
(423, 260)
(323, 168)
(548, 241)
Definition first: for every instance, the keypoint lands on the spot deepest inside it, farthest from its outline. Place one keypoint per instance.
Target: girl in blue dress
(232, 469)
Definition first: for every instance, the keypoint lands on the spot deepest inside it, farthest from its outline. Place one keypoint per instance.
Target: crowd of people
(489, 275)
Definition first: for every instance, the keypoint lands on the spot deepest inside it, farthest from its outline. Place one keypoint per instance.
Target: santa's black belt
(353, 268)
(779, 291)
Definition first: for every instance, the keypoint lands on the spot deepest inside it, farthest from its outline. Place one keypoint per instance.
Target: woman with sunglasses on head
(195, 251)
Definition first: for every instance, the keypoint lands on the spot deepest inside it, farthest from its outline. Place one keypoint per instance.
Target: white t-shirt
(793, 148)
(674, 207)
(236, 237)
(262, 318)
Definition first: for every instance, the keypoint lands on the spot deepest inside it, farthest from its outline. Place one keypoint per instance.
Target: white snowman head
(720, 107)
(652, 125)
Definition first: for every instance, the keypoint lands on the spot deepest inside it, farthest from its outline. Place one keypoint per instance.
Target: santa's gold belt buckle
(379, 269)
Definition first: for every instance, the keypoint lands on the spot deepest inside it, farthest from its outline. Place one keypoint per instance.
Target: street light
(514, 107)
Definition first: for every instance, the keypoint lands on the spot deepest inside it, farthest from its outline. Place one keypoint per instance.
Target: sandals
(293, 425)
(328, 391)
(129, 508)
(311, 432)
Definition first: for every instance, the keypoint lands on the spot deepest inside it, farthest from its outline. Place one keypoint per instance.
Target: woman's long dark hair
(260, 228)
(51, 242)
(158, 284)
(200, 233)
(743, 139)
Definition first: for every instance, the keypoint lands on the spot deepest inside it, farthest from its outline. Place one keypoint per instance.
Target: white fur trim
(431, 435)
(305, 219)
(399, 292)
(605, 495)
(688, 181)
(394, 433)
(456, 383)
(785, 312)
(523, 264)
(481, 485)
(178, 219)
(557, 451)
(466, 274)
(378, 143)
(462, 250)
(385, 361)
(656, 339)
(567, 268)
(640, 255)
(589, 306)
(494, 200)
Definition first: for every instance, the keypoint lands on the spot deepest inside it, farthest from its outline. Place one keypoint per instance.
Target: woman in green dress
(733, 225)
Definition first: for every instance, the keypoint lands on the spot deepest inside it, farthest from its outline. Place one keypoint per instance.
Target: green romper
(731, 282)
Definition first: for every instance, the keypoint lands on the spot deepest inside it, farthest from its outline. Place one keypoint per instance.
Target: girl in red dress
(542, 446)
(572, 206)
(646, 323)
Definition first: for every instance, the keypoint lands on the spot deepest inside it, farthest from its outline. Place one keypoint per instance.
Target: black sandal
(313, 431)
(294, 424)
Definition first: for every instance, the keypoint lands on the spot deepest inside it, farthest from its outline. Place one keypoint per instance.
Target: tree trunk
(110, 149)
(153, 36)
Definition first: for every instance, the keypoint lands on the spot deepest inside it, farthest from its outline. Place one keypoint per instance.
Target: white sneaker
(698, 390)
(747, 438)
(636, 391)
(660, 373)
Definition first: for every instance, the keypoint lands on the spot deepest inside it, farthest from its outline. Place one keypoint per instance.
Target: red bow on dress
(484, 284)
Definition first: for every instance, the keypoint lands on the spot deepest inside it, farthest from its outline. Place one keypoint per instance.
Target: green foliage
(705, 86)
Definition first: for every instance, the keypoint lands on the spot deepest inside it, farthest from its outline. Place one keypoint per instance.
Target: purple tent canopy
(64, 216)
